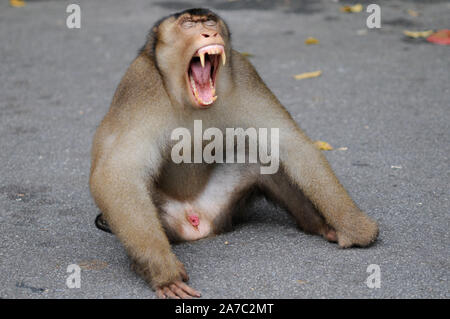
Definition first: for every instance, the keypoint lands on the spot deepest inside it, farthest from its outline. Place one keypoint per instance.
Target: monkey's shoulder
(141, 87)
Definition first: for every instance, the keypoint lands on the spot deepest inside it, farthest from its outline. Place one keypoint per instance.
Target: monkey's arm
(118, 184)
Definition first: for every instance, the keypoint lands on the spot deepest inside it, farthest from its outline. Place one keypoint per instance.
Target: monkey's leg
(308, 168)
(278, 188)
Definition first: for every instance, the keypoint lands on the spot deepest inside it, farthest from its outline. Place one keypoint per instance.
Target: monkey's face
(198, 44)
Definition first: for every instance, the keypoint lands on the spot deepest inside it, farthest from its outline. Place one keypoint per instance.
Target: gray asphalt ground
(383, 97)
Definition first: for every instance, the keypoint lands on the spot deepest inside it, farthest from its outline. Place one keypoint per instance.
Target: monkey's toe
(331, 235)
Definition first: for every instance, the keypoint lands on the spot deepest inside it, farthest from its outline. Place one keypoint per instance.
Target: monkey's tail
(102, 224)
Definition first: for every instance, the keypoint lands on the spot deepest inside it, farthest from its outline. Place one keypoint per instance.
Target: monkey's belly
(203, 191)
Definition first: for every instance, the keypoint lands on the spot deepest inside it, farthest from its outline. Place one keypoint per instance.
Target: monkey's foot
(177, 290)
(101, 223)
(361, 231)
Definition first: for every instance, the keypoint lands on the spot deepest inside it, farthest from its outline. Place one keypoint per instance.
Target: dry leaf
(17, 3)
(413, 13)
(361, 32)
(396, 166)
(418, 34)
(311, 40)
(226, 243)
(307, 75)
(324, 146)
(302, 282)
(93, 265)
(356, 8)
(342, 148)
(246, 54)
(440, 37)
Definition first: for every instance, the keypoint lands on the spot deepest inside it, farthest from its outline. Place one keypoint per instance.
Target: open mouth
(202, 73)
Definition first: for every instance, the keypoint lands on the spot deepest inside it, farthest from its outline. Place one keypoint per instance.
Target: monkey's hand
(175, 289)
(178, 289)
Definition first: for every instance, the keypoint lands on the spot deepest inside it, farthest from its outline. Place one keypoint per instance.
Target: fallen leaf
(413, 13)
(302, 282)
(396, 166)
(226, 243)
(417, 34)
(356, 8)
(17, 3)
(307, 75)
(311, 40)
(324, 146)
(246, 54)
(342, 148)
(361, 32)
(440, 37)
(93, 265)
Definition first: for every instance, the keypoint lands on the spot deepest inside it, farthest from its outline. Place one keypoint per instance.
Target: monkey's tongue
(203, 88)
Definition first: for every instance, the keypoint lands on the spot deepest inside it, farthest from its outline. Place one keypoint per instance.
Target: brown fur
(131, 176)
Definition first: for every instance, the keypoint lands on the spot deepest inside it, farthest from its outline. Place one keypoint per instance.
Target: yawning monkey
(187, 71)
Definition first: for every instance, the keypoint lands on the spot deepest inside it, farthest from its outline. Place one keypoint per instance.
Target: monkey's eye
(188, 24)
(210, 23)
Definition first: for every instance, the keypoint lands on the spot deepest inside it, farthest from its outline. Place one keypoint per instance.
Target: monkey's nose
(207, 35)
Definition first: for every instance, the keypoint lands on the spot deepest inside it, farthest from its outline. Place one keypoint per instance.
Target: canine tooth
(224, 57)
(202, 59)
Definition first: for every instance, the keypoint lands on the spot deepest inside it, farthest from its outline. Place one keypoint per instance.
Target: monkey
(187, 70)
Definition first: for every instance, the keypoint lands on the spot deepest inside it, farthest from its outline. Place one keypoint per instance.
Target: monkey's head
(191, 49)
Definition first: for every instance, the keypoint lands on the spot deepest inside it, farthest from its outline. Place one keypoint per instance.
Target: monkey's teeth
(213, 90)
(202, 59)
(224, 57)
(194, 87)
(212, 49)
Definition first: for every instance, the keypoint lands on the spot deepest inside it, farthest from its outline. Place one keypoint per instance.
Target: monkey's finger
(169, 293)
(188, 289)
(179, 292)
(160, 294)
